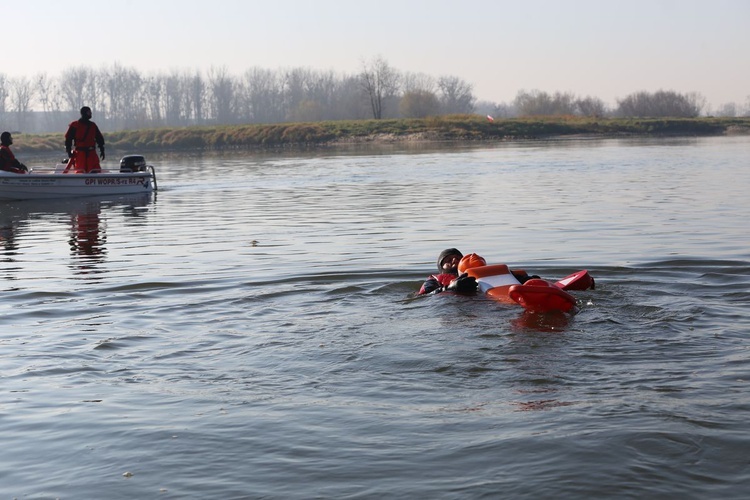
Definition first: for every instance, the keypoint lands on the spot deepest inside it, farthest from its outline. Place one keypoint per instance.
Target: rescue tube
(542, 296)
(498, 282)
(581, 280)
(494, 280)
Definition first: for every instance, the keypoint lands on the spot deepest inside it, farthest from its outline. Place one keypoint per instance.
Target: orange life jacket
(84, 134)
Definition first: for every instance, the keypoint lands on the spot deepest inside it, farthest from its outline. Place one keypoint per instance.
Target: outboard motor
(133, 163)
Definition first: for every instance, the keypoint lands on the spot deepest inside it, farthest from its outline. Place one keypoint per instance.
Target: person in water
(81, 140)
(448, 278)
(8, 162)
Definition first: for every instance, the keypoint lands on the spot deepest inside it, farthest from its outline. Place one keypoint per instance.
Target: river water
(251, 330)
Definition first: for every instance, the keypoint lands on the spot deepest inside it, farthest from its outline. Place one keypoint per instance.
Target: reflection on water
(544, 322)
(85, 219)
(88, 236)
(7, 237)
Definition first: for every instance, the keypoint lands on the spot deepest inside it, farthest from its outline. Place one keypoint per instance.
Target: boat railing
(153, 175)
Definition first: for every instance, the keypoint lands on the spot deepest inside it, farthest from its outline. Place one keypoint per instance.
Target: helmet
(469, 261)
(445, 253)
(5, 138)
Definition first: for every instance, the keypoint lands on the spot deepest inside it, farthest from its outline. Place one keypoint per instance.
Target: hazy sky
(603, 48)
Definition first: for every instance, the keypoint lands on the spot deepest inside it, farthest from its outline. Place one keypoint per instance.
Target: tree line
(124, 99)
(662, 103)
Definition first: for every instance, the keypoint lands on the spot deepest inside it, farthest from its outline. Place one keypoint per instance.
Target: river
(251, 330)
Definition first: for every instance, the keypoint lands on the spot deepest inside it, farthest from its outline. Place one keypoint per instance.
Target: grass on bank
(443, 128)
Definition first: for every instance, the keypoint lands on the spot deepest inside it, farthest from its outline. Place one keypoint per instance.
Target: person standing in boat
(448, 279)
(8, 162)
(81, 140)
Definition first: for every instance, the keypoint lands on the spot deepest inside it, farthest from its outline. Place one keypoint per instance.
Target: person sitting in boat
(81, 140)
(448, 279)
(8, 162)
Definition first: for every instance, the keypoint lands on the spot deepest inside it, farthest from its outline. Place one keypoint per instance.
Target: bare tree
(419, 104)
(44, 89)
(21, 94)
(538, 103)
(591, 106)
(727, 109)
(122, 88)
(4, 93)
(418, 81)
(379, 82)
(696, 101)
(264, 96)
(321, 90)
(73, 85)
(296, 82)
(347, 101)
(194, 97)
(222, 97)
(635, 104)
(46, 92)
(95, 90)
(308, 95)
(153, 99)
(663, 103)
(174, 111)
(456, 95)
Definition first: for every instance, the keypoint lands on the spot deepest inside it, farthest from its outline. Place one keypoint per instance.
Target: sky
(600, 48)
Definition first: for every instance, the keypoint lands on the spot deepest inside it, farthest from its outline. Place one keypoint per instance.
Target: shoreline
(450, 129)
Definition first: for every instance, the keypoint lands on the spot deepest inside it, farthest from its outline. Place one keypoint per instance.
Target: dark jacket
(9, 163)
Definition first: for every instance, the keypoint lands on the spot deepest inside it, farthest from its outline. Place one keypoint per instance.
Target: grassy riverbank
(438, 129)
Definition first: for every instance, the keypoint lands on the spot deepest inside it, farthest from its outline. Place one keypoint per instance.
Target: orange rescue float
(498, 282)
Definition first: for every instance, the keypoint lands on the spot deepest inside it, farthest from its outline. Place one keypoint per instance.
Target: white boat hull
(50, 184)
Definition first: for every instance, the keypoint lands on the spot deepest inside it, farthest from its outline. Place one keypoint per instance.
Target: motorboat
(133, 177)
